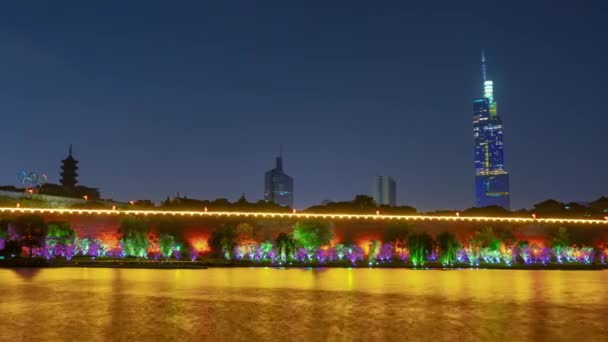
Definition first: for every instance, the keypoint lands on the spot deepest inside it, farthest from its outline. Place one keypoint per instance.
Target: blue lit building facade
(278, 186)
(491, 178)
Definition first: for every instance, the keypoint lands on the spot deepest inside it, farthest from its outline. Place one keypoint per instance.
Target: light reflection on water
(252, 304)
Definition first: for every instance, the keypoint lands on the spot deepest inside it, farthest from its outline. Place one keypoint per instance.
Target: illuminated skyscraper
(491, 178)
(278, 186)
(385, 191)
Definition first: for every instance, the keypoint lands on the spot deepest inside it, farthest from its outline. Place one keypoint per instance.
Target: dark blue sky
(196, 97)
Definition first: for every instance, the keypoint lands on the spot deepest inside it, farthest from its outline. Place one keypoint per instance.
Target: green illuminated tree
(223, 240)
(374, 248)
(60, 235)
(286, 246)
(561, 238)
(3, 229)
(134, 237)
(167, 245)
(312, 235)
(448, 247)
(420, 247)
(486, 238)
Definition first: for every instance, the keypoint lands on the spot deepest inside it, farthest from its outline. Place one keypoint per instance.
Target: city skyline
(214, 103)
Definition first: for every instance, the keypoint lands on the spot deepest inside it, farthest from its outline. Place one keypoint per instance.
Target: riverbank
(222, 263)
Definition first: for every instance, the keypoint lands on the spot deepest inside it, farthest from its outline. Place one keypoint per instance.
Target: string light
(63, 211)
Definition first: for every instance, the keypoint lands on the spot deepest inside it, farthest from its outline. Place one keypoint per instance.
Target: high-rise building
(69, 168)
(278, 186)
(491, 178)
(385, 191)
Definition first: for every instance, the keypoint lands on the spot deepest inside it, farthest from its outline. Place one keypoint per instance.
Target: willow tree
(223, 240)
(134, 237)
(420, 247)
(448, 247)
(286, 246)
(167, 244)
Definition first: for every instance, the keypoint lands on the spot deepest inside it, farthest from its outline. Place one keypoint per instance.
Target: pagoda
(69, 168)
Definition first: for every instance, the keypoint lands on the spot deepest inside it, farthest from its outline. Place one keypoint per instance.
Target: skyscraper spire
(483, 65)
(488, 85)
(70, 150)
(279, 164)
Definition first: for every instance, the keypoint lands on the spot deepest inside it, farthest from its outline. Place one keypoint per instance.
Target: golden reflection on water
(251, 304)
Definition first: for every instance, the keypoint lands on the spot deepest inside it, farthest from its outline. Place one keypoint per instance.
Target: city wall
(359, 231)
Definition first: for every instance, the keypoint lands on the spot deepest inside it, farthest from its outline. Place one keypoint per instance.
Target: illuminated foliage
(223, 241)
(386, 252)
(82, 246)
(60, 241)
(167, 245)
(448, 247)
(3, 229)
(396, 235)
(312, 235)
(373, 250)
(420, 247)
(134, 238)
(560, 238)
(246, 245)
(354, 253)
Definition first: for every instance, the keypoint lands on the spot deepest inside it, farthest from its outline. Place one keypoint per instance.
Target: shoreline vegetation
(165, 242)
(133, 263)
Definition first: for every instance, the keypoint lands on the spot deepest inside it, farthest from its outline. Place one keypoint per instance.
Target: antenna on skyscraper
(483, 65)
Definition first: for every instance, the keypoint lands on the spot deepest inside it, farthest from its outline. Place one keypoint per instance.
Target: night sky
(197, 98)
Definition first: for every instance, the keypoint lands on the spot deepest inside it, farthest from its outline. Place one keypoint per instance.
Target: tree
(223, 240)
(134, 239)
(286, 246)
(448, 247)
(550, 207)
(508, 238)
(491, 210)
(3, 233)
(245, 240)
(374, 249)
(166, 243)
(312, 235)
(60, 240)
(420, 247)
(31, 230)
(485, 238)
(561, 238)
(396, 235)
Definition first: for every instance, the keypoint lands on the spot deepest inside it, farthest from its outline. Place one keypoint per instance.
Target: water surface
(256, 304)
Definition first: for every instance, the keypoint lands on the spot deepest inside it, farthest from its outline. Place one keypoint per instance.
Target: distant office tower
(69, 174)
(491, 178)
(278, 186)
(385, 191)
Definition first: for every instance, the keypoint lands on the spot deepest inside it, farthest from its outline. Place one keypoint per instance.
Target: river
(258, 304)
